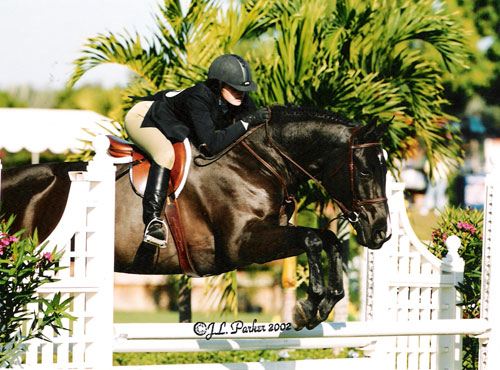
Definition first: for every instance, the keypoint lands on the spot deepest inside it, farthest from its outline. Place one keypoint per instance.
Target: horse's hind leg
(335, 286)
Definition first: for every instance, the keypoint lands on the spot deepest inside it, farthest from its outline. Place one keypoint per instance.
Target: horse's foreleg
(335, 287)
(268, 243)
(305, 311)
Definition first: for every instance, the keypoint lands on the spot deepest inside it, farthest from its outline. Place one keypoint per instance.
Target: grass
(169, 316)
(422, 225)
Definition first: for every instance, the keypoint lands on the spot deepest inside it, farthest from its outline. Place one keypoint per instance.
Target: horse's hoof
(303, 312)
(313, 323)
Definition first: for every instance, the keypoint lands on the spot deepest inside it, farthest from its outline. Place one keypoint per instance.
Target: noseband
(357, 204)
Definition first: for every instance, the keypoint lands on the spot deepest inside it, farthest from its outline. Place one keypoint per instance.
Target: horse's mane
(287, 113)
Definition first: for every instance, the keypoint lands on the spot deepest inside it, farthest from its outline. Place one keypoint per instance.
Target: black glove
(257, 117)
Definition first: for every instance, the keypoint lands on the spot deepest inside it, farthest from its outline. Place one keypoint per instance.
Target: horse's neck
(311, 143)
(306, 144)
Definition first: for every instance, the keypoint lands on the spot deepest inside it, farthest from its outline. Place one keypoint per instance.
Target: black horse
(232, 209)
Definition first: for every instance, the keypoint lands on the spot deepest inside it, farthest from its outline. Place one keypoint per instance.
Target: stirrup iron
(155, 241)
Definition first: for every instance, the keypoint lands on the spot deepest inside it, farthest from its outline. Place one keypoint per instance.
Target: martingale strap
(174, 223)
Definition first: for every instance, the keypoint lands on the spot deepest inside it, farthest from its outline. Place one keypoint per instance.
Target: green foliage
(481, 22)
(467, 224)
(131, 359)
(480, 19)
(24, 267)
(363, 59)
(9, 101)
(223, 289)
(182, 48)
(103, 101)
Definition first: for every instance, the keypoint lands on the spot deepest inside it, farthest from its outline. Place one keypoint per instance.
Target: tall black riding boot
(153, 202)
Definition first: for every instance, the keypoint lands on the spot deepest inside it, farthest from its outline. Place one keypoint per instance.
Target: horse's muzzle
(379, 237)
(375, 237)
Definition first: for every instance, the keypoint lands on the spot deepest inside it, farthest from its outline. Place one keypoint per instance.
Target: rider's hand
(256, 118)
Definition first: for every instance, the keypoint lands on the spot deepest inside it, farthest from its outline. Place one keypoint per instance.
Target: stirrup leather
(155, 241)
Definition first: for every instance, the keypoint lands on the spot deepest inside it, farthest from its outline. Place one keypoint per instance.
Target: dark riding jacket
(200, 113)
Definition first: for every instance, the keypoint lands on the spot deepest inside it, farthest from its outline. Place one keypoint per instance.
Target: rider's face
(231, 95)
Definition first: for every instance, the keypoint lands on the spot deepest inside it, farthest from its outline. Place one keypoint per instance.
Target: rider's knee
(163, 160)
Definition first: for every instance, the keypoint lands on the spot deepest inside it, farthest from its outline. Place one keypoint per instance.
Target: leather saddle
(126, 152)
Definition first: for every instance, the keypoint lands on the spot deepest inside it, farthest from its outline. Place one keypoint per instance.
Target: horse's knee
(313, 241)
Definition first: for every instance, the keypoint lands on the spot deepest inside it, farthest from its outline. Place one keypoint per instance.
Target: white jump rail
(411, 320)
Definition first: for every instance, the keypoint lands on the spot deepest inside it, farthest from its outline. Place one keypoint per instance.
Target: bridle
(357, 204)
(352, 213)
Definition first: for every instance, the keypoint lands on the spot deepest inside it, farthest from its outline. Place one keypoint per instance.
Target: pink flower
(2, 247)
(47, 256)
(466, 226)
(6, 240)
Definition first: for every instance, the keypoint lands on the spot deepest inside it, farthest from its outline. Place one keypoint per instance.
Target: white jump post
(489, 352)
(86, 234)
(101, 244)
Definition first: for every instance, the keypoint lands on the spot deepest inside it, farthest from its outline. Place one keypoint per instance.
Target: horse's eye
(365, 174)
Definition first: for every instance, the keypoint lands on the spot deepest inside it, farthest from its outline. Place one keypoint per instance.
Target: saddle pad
(120, 148)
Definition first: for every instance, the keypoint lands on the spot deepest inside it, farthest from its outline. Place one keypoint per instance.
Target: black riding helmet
(232, 70)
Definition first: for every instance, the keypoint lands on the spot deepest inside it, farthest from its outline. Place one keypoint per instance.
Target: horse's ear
(373, 131)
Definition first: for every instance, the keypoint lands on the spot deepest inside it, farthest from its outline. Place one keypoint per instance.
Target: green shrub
(24, 267)
(162, 358)
(467, 224)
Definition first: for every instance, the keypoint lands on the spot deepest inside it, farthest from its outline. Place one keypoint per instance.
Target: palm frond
(221, 291)
(145, 61)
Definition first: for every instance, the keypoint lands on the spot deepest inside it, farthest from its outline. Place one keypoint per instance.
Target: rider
(213, 113)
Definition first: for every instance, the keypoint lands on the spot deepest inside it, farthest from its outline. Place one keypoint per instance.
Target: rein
(211, 159)
(357, 204)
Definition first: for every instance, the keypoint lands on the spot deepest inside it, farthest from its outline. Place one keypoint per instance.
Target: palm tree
(369, 59)
(383, 59)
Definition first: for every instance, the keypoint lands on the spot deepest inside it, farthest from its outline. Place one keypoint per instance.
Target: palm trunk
(184, 299)
(289, 283)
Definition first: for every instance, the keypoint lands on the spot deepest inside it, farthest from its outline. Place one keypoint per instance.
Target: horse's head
(358, 184)
(346, 159)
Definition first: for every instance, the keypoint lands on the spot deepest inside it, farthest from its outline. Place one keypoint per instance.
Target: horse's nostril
(380, 234)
